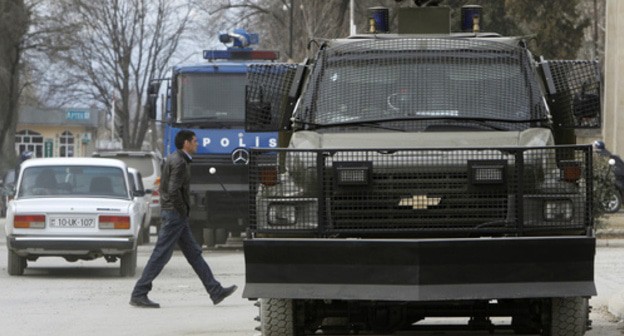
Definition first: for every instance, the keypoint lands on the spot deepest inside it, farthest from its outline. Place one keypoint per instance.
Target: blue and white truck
(209, 99)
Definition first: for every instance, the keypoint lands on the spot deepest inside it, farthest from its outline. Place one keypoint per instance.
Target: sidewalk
(612, 234)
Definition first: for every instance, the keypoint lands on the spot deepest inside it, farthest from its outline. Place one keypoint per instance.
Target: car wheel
(16, 264)
(613, 203)
(128, 264)
(146, 235)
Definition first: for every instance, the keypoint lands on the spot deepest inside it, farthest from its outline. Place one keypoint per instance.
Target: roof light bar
(241, 55)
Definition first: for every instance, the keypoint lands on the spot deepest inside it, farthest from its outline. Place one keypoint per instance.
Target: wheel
(220, 235)
(277, 318)
(569, 316)
(128, 264)
(209, 237)
(145, 233)
(613, 203)
(16, 264)
(197, 229)
(140, 237)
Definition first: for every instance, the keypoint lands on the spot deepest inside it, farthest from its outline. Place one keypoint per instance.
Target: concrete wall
(613, 120)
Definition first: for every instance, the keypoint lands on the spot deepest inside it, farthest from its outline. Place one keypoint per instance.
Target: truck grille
(416, 200)
(435, 192)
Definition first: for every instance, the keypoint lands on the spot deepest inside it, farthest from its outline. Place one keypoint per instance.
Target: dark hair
(182, 136)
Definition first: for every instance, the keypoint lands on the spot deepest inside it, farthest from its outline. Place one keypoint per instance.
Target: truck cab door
(573, 92)
(269, 98)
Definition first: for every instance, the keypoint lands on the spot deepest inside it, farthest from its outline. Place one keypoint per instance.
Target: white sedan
(75, 208)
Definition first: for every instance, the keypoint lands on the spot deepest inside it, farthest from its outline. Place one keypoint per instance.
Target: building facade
(57, 132)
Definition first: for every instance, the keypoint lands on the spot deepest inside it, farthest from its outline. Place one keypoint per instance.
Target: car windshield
(73, 181)
(438, 79)
(211, 97)
(144, 164)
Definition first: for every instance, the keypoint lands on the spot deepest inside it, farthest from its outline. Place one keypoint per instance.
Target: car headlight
(558, 210)
(282, 214)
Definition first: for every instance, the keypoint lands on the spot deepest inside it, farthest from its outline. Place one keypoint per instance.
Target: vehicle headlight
(487, 171)
(282, 214)
(558, 210)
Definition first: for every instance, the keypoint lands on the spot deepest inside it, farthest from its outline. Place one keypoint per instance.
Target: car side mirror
(148, 191)
(138, 193)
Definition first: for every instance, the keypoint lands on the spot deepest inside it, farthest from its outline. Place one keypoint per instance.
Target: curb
(609, 233)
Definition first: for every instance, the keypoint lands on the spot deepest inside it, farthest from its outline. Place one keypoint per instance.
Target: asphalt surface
(55, 297)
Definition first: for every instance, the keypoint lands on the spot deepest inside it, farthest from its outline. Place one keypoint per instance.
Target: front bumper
(419, 269)
(62, 245)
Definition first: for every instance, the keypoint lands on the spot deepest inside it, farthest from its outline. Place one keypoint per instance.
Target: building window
(67, 144)
(28, 140)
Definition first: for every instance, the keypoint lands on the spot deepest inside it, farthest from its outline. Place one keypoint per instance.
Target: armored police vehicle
(425, 175)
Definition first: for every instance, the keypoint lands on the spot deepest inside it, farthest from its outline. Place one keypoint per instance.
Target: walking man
(175, 207)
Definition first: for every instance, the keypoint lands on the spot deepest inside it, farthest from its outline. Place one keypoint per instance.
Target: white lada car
(75, 208)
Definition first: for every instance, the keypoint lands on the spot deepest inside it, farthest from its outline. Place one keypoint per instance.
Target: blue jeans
(175, 228)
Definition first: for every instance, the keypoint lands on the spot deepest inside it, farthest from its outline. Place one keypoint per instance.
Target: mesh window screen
(423, 79)
(267, 98)
(574, 87)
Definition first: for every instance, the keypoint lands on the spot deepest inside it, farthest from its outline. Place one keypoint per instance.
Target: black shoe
(225, 292)
(143, 302)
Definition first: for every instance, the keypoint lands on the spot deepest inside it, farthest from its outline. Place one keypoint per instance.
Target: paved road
(55, 297)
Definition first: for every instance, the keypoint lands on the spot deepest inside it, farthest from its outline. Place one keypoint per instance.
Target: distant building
(57, 132)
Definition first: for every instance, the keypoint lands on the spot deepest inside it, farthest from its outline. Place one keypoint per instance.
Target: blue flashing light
(379, 22)
(471, 18)
(237, 54)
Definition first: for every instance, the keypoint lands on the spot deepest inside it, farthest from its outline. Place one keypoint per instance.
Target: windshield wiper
(369, 124)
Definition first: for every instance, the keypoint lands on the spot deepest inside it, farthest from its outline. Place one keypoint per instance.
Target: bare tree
(117, 47)
(15, 18)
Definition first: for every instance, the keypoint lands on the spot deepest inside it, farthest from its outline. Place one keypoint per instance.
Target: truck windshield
(211, 97)
(452, 82)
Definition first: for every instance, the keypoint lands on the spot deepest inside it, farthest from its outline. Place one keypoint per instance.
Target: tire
(145, 233)
(277, 318)
(128, 264)
(613, 203)
(16, 264)
(221, 236)
(569, 316)
(209, 237)
(140, 237)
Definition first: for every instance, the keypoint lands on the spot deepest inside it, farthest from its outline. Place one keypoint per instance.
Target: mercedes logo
(240, 156)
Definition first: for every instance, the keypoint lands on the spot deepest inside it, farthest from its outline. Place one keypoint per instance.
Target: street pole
(290, 30)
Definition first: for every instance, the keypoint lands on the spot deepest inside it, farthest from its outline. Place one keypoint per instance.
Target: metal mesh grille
(575, 86)
(423, 79)
(441, 191)
(267, 95)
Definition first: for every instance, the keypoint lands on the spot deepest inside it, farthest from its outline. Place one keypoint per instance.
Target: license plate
(72, 222)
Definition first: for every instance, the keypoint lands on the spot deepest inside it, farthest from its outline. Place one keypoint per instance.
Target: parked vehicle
(149, 163)
(75, 208)
(143, 200)
(209, 99)
(612, 202)
(427, 174)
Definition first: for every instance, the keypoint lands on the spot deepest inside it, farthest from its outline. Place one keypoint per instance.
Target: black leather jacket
(174, 184)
